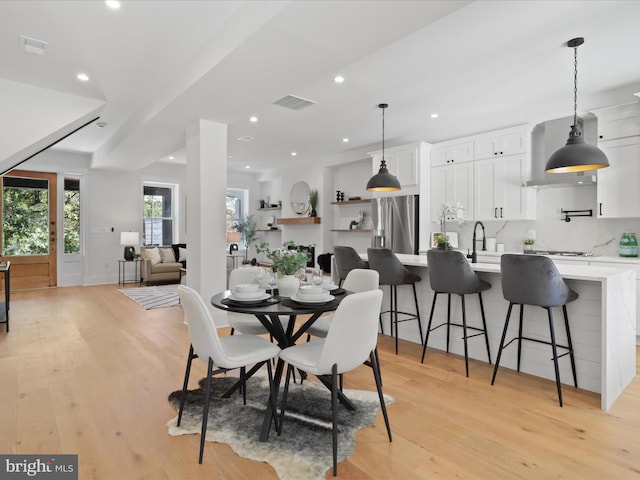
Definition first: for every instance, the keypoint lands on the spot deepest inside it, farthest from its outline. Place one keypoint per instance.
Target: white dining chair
(351, 339)
(242, 322)
(357, 280)
(225, 353)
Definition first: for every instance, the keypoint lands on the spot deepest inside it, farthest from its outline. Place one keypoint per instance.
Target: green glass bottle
(624, 248)
(633, 243)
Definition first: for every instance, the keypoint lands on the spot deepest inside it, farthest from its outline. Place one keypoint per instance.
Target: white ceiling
(160, 65)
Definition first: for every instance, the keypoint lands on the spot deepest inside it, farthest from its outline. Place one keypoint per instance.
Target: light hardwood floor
(84, 370)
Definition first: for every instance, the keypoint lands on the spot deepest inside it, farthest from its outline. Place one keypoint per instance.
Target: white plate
(247, 295)
(296, 299)
(262, 297)
(312, 297)
(247, 288)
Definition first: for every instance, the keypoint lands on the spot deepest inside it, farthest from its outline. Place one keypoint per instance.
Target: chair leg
(378, 378)
(187, 372)
(243, 377)
(484, 325)
(415, 298)
(426, 335)
(205, 413)
(375, 352)
(334, 416)
(504, 334)
(464, 333)
(448, 319)
(395, 313)
(520, 334)
(555, 354)
(570, 345)
(232, 330)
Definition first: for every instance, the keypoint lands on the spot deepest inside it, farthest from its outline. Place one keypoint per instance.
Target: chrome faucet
(474, 255)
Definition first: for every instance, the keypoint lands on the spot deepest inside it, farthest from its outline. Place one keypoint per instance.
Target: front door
(29, 228)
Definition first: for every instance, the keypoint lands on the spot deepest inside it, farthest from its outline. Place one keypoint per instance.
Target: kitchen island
(603, 325)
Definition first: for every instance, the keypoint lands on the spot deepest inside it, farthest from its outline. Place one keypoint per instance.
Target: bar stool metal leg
(570, 345)
(555, 354)
(504, 334)
(520, 334)
(484, 325)
(415, 299)
(426, 336)
(448, 319)
(464, 333)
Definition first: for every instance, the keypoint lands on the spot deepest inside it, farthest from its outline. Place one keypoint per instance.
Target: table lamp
(129, 239)
(232, 239)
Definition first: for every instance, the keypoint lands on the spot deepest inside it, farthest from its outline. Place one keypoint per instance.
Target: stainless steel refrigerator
(395, 223)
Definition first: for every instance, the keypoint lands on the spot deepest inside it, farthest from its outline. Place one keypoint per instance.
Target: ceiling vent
(31, 45)
(245, 138)
(294, 103)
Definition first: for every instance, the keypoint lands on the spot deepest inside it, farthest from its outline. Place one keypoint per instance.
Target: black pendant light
(576, 155)
(383, 181)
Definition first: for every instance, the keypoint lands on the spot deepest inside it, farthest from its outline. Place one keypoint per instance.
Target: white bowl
(312, 296)
(248, 295)
(312, 290)
(246, 287)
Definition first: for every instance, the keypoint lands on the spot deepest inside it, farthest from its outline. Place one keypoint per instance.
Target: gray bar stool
(347, 259)
(393, 273)
(450, 273)
(534, 280)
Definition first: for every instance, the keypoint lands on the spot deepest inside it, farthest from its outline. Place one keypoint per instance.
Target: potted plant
(313, 202)
(286, 260)
(450, 211)
(528, 242)
(249, 231)
(353, 225)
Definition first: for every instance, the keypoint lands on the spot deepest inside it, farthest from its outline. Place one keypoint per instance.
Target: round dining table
(268, 312)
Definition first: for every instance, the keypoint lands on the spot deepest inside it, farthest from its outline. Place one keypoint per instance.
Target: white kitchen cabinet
(502, 144)
(452, 183)
(618, 121)
(404, 162)
(498, 189)
(618, 193)
(447, 154)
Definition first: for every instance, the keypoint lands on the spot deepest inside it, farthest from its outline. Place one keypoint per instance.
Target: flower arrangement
(450, 211)
(286, 260)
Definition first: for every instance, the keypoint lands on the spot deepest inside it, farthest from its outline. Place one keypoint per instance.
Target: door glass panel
(158, 215)
(71, 216)
(25, 216)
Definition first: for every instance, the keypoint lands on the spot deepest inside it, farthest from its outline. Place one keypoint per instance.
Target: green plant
(450, 210)
(529, 241)
(249, 231)
(313, 199)
(286, 260)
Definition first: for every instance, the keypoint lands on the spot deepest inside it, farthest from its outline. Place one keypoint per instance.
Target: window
(235, 208)
(25, 218)
(71, 216)
(158, 215)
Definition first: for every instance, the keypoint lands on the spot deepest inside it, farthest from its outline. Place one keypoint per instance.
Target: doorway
(29, 228)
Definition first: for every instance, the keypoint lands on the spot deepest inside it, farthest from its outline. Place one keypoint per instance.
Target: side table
(122, 270)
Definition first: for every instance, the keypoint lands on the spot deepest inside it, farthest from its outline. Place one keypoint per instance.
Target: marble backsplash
(583, 234)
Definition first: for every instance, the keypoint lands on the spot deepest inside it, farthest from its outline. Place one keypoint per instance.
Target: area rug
(303, 451)
(153, 297)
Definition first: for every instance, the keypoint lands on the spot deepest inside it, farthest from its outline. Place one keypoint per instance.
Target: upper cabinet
(448, 154)
(404, 162)
(486, 174)
(500, 145)
(618, 193)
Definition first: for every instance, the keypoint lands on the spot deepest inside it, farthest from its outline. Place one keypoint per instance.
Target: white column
(206, 212)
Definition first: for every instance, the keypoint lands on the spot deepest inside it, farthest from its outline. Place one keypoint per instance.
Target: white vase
(288, 285)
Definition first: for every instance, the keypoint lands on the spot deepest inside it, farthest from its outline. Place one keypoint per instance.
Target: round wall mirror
(299, 198)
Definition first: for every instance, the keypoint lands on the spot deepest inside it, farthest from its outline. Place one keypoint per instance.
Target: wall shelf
(269, 230)
(298, 221)
(351, 202)
(269, 208)
(350, 230)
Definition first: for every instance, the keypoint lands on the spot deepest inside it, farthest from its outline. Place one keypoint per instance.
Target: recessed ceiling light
(434, 115)
(113, 4)
(247, 166)
(83, 77)
(172, 157)
(229, 156)
(101, 124)
(338, 79)
(245, 138)
(293, 154)
(345, 140)
(253, 119)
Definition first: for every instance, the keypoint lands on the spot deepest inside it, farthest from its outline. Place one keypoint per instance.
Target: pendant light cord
(575, 86)
(383, 161)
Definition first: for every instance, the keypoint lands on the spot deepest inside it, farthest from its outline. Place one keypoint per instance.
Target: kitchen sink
(561, 253)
